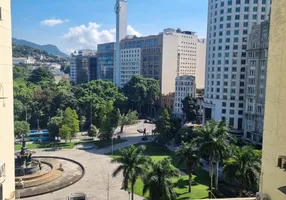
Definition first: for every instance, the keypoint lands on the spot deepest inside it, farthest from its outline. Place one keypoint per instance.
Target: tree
(185, 135)
(141, 92)
(20, 72)
(189, 154)
(110, 122)
(136, 91)
(243, 166)
(214, 142)
(133, 164)
(163, 127)
(54, 126)
(190, 108)
(41, 74)
(158, 180)
(127, 119)
(92, 131)
(65, 132)
(179, 30)
(70, 118)
(176, 124)
(21, 128)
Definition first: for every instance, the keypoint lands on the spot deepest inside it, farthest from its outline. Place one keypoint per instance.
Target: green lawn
(99, 143)
(200, 180)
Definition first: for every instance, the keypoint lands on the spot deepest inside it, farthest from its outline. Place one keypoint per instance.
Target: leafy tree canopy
(41, 74)
(190, 108)
(21, 128)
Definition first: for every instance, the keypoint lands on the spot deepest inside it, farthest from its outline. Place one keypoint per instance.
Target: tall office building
(121, 31)
(7, 178)
(83, 66)
(130, 64)
(256, 69)
(167, 55)
(229, 23)
(92, 68)
(106, 61)
(73, 69)
(82, 69)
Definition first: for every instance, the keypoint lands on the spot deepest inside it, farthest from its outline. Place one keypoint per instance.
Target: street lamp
(112, 138)
(38, 122)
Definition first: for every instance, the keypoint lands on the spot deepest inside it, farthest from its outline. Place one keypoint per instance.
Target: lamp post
(38, 122)
(112, 144)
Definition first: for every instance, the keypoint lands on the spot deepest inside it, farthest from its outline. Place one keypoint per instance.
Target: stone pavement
(98, 170)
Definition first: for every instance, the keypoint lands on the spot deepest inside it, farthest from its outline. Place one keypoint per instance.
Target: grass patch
(199, 181)
(70, 145)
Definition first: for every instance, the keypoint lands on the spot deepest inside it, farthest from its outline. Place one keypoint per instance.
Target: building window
(239, 123)
(231, 121)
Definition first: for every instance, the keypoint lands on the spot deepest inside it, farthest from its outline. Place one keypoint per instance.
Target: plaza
(98, 169)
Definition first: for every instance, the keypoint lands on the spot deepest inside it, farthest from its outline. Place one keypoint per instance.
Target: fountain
(37, 175)
(24, 164)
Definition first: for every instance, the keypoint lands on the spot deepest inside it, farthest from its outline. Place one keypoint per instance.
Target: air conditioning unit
(260, 196)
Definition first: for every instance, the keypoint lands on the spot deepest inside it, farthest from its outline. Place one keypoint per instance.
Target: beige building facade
(7, 184)
(169, 54)
(273, 176)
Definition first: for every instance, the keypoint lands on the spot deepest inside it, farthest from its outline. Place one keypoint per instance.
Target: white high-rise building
(185, 87)
(229, 23)
(121, 31)
(130, 64)
(73, 69)
(191, 56)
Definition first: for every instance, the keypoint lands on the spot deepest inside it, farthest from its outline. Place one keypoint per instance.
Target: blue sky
(76, 24)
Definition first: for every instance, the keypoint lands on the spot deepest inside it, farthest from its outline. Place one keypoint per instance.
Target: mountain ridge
(52, 49)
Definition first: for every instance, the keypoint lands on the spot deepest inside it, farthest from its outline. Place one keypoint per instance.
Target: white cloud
(53, 22)
(89, 36)
(131, 31)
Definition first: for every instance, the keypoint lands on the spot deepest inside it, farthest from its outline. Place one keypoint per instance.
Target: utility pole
(38, 122)
(112, 144)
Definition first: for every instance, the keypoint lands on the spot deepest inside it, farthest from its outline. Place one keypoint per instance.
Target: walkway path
(98, 170)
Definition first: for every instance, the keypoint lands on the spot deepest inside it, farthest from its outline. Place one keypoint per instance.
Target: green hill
(51, 49)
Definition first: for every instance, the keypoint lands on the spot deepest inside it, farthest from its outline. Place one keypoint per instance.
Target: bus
(39, 136)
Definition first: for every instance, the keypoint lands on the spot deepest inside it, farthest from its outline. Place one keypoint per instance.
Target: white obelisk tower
(121, 31)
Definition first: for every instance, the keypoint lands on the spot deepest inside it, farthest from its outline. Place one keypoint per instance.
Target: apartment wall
(169, 64)
(201, 63)
(6, 105)
(273, 179)
(129, 64)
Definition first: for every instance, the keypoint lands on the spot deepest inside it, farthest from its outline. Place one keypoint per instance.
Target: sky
(80, 24)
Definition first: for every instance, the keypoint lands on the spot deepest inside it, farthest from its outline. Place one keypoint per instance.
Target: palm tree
(243, 166)
(189, 154)
(214, 141)
(133, 164)
(158, 181)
